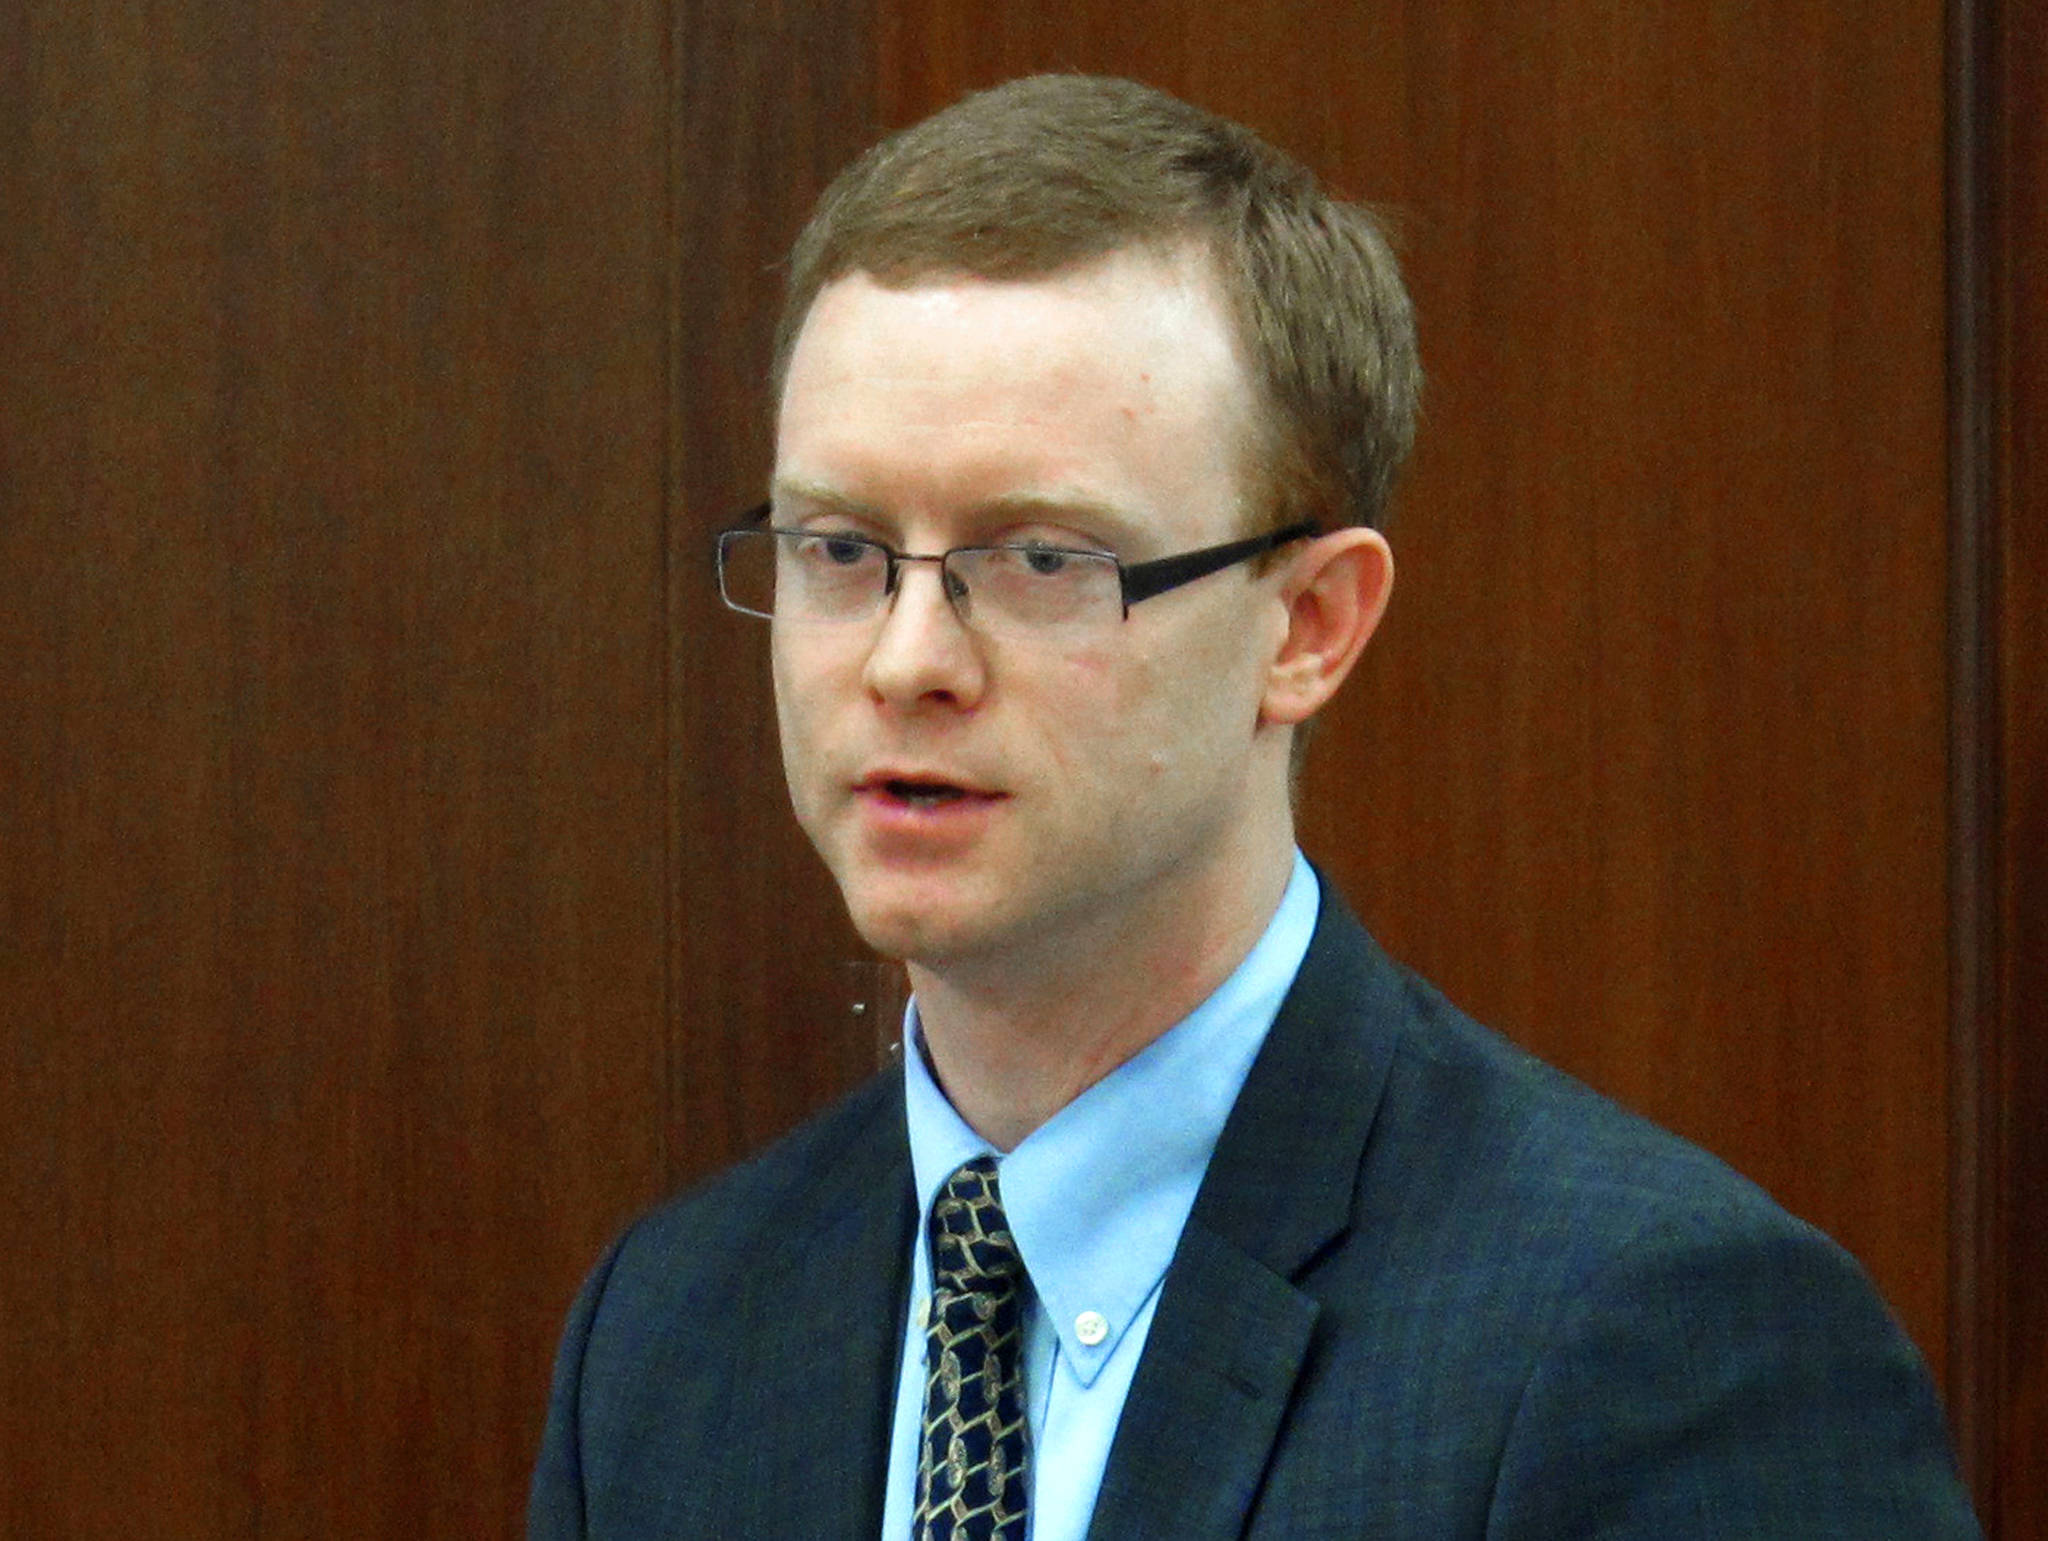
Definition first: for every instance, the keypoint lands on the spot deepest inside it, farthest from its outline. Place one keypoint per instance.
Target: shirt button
(921, 1313)
(1091, 1327)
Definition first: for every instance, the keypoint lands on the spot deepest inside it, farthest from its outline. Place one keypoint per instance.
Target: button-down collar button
(1091, 1327)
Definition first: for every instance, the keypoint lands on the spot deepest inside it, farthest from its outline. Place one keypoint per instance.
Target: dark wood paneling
(1649, 766)
(778, 1004)
(331, 878)
(2009, 1330)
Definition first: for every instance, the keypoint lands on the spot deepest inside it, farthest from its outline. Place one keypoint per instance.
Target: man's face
(1004, 799)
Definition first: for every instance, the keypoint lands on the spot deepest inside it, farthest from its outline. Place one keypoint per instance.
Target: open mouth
(924, 794)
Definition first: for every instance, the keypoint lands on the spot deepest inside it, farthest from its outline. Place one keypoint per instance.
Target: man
(1187, 1214)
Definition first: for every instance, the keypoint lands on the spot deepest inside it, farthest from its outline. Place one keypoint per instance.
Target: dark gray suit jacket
(1430, 1289)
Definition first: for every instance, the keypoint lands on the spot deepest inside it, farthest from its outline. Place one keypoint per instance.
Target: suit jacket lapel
(825, 1319)
(1232, 1328)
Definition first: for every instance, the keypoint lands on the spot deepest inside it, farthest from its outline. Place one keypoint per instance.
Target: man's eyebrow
(795, 490)
(1041, 503)
(1111, 522)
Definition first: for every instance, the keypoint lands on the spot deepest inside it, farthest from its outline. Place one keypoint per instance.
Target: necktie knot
(972, 1249)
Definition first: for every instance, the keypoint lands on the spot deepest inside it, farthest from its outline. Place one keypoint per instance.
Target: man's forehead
(1147, 325)
(796, 496)
(1179, 278)
(1112, 389)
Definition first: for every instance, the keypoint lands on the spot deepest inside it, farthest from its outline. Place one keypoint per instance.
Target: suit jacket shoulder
(725, 1369)
(1433, 1287)
(1430, 1288)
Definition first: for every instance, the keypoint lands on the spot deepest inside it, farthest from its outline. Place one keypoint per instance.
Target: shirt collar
(1097, 1196)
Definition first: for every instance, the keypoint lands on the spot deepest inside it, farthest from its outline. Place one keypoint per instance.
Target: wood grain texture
(1649, 765)
(778, 1004)
(331, 902)
(2010, 1330)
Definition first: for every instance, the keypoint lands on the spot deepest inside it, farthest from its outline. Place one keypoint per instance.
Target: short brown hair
(1052, 171)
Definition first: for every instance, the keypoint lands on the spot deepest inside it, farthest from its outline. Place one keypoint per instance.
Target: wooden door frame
(1998, 226)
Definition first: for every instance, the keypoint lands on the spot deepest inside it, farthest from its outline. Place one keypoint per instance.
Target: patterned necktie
(971, 1482)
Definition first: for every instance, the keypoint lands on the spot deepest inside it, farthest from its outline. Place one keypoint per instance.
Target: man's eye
(846, 552)
(1045, 561)
(834, 550)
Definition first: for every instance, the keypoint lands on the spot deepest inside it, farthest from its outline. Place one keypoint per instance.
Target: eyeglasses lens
(1025, 590)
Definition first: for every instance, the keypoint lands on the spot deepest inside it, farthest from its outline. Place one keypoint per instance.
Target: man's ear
(1336, 590)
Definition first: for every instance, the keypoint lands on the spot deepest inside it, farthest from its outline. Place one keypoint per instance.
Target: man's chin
(925, 932)
(905, 938)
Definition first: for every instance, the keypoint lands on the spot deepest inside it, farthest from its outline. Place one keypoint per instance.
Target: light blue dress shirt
(1096, 1198)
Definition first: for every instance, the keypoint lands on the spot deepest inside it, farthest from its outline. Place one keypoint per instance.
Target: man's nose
(924, 651)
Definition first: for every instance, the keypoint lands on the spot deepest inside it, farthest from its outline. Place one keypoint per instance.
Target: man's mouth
(924, 791)
(924, 794)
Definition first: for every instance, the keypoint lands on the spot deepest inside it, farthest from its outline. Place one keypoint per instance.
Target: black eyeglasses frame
(1138, 581)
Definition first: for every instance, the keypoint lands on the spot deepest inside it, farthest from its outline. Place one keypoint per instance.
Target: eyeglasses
(1027, 589)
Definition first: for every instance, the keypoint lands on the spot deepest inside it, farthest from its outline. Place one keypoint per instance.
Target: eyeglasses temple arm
(1147, 579)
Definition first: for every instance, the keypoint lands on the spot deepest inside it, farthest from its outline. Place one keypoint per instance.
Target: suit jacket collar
(1228, 1340)
(1226, 1343)
(834, 1293)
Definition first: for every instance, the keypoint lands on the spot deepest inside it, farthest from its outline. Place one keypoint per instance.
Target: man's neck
(1014, 1042)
